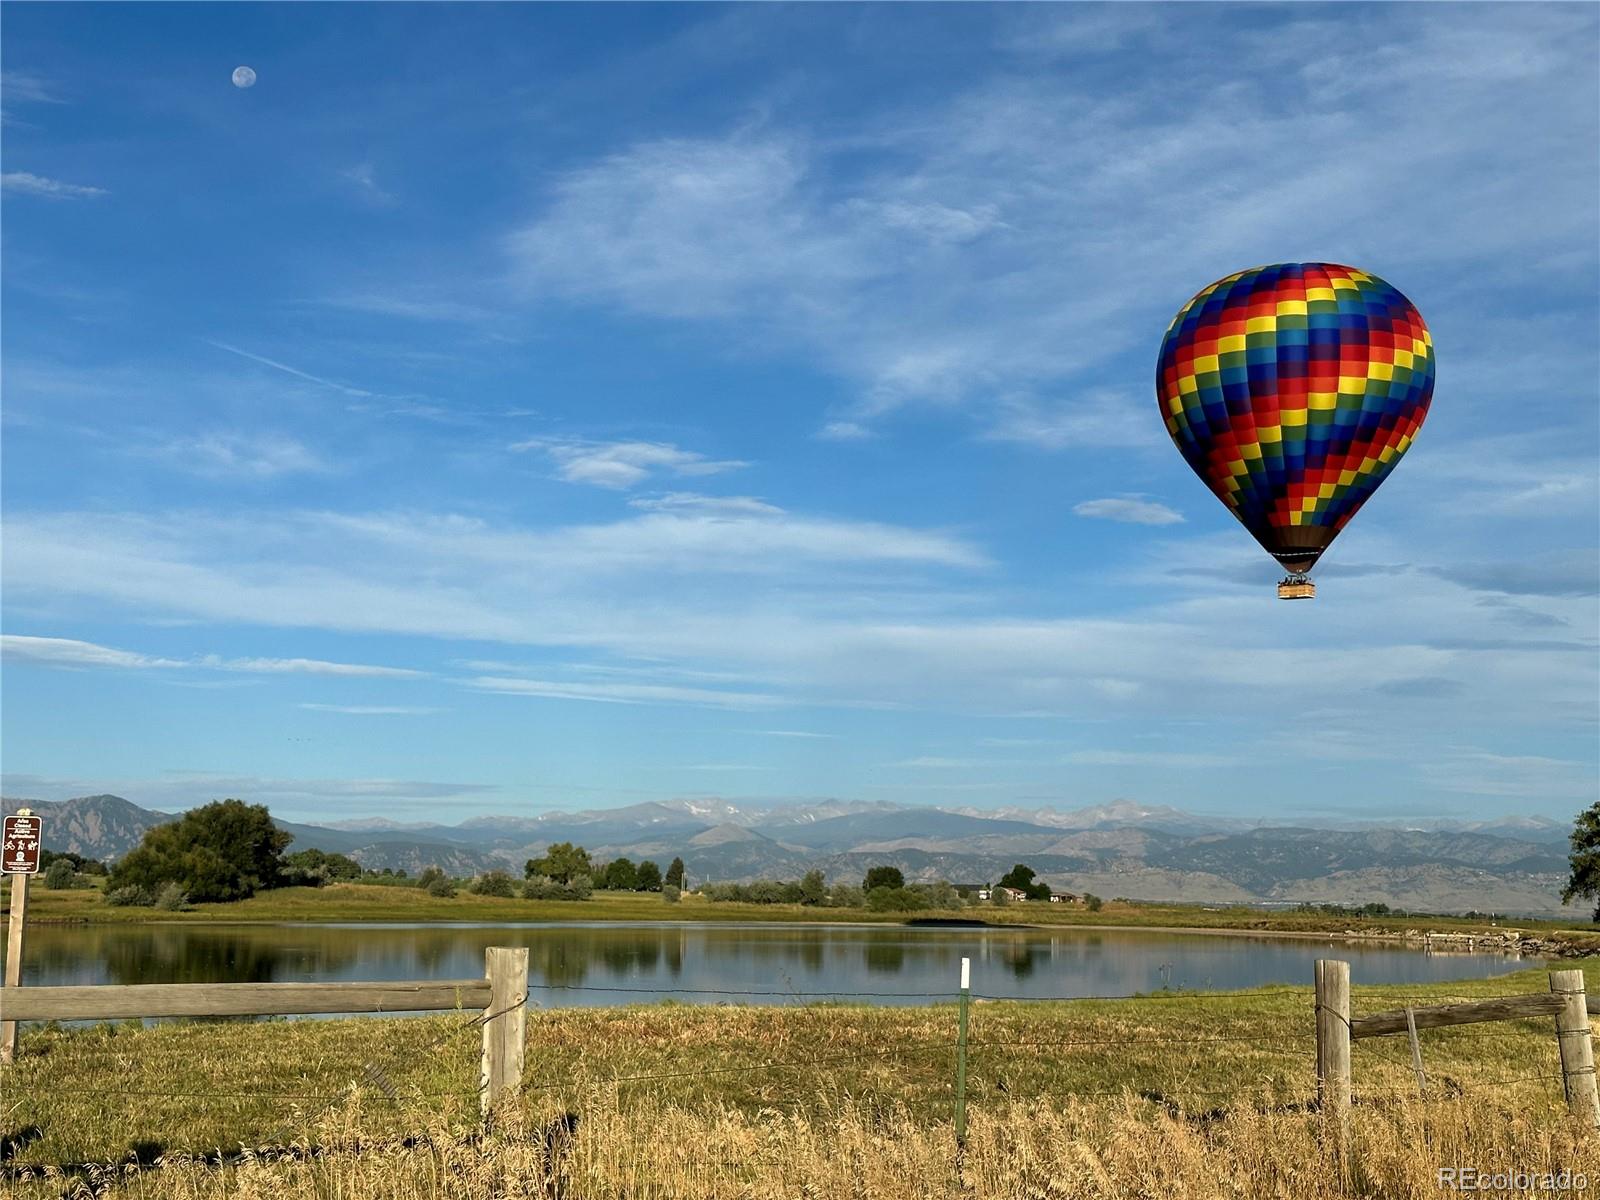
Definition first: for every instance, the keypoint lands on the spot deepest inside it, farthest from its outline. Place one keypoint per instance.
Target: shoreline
(1545, 945)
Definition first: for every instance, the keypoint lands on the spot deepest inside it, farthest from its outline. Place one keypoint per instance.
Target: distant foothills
(1516, 865)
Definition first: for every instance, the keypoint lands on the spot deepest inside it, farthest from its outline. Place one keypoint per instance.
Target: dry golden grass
(1181, 1096)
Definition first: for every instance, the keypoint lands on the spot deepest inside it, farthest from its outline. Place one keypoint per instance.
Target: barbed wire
(374, 1073)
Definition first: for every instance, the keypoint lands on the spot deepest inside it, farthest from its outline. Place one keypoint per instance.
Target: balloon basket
(1297, 587)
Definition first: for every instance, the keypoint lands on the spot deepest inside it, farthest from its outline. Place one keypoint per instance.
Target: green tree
(1092, 902)
(223, 851)
(877, 877)
(649, 877)
(674, 875)
(812, 888)
(494, 883)
(317, 867)
(620, 876)
(60, 876)
(1585, 860)
(561, 862)
(1021, 877)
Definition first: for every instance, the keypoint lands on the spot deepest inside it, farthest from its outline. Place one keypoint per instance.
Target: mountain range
(1515, 865)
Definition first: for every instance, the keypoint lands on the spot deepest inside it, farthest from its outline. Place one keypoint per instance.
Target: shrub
(172, 898)
(60, 876)
(1092, 902)
(846, 895)
(561, 862)
(442, 887)
(889, 877)
(222, 851)
(900, 899)
(494, 883)
(313, 868)
(1001, 897)
(670, 892)
(130, 897)
(812, 888)
(542, 887)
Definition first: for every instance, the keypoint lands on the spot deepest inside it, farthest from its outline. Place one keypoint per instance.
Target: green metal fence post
(961, 1055)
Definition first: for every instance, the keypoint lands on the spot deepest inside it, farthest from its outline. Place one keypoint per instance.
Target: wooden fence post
(1416, 1050)
(19, 918)
(1333, 1042)
(1577, 1051)
(506, 1030)
(961, 1055)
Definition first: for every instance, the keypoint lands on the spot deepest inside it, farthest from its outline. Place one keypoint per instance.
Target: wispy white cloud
(26, 184)
(362, 178)
(303, 798)
(305, 666)
(29, 88)
(844, 431)
(68, 652)
(742, 506)
(622, 465)
(1130, 509)
(239, 455)
(373, 710)
(411, 306)
(973, 266)
(623, 693)
(1150, 758)
(941, 763)
(295, 371)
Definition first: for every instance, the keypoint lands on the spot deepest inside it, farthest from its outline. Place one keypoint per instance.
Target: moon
(243, 77)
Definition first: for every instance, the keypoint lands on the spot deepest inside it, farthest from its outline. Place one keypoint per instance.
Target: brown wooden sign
(19, 848)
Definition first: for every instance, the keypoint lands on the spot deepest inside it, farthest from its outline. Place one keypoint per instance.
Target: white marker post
(20, 839)
(961, 1055)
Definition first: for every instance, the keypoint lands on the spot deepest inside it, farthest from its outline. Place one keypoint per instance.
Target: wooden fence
(502, 994)
(1566, 1001)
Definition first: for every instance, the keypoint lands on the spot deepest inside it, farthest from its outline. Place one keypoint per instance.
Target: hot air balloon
(1292, 391)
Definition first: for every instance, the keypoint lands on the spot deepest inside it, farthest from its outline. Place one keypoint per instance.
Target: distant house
(1056, 898)
(1016, 894)
(984, 893)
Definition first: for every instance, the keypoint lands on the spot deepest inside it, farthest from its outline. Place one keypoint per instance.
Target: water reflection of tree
(558, 961)
(1020, 958)
(886, 958)
(811, 955)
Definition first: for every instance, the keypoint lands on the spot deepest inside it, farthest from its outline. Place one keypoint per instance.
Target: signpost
(20, 837)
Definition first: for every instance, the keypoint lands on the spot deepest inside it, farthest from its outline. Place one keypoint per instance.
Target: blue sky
(515, 407)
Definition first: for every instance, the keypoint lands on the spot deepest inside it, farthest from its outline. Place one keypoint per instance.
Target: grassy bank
(365, 902)
(1184, 1094)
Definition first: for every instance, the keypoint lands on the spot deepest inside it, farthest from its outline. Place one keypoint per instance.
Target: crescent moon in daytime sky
(243, 77)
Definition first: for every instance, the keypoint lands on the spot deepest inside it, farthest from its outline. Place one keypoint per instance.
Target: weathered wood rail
(502, 995)
(116, 1002)
(1566, 1001)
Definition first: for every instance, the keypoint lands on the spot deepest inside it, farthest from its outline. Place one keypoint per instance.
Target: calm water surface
(609, 963)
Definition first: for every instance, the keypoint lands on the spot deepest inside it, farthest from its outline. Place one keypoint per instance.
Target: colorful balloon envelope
(1292, 391)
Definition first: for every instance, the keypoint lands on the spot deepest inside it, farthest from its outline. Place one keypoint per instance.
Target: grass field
(365, 902)
(1186, 1094)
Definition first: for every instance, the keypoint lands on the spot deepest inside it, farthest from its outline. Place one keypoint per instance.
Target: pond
(573, 963)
